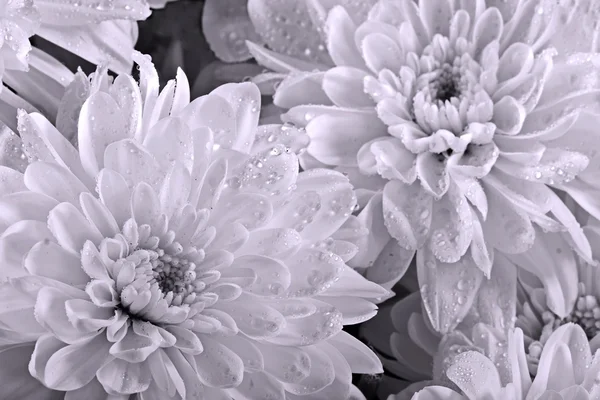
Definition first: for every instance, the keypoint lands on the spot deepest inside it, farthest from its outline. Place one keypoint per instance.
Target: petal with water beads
(339, 389)
(42, 141)
(507, 228)
(133, 163)
(133, 347)
(259, 385)
(250, 209)
(321, 373)
(271, 171)
(11, 181)
(96, 133)
(254, 319)
(370, 246)
(274, 242)
(273, 276)
(287, 364)
(170, 140)
(120, 377)
(112, 189)
(244, 99)
(475, 375)
(407, 212)
(447, 290)
(247, 349)
(225, 24)
(217, 365)
(175, 189)
(312, 271)
(325, 322)
(451, 227)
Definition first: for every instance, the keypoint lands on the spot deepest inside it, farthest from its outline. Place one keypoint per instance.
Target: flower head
(567, 370)
(178, 253)
(452, 118)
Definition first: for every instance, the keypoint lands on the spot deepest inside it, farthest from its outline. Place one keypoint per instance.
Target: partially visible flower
(296, 29)
(567, 370)
(412, 350)
(570, 294)
(290, 28)
(176, 252)
(447, 116)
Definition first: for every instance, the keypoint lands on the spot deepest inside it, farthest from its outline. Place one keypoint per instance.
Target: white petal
(54, 181)
(244, 99)
(482, 378)
(435, 16)
(175, 189)
(336, 140)
(73, 366)
(114, 192)
(488, 27)
(432, 173)
(509, 116)
(16, 382)
(218, 366)
(448, 290)
(361, 359)
(371, 245)
(344, 86)
(50, 260)
(391, 265)
(43, 142)
(340, 39)
(88, 12)
(300, 88)
(507, 227)
(70, 228)
(111, 39)
(280, 62)
(226, 25)
(407, 212)
(17, 241)
(132, 162)
(24, 206)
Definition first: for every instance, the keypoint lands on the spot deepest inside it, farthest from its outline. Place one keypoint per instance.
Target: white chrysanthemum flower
(547, 303)
(178, 253)
(452, 118)
(567, 370)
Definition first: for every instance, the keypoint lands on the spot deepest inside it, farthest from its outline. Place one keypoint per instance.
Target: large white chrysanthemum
(177, 254)
(455, 123)
(568, 370)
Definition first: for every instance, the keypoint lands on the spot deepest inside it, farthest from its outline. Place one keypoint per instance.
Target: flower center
(173, 274)
(446, 84)
(586, 314)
